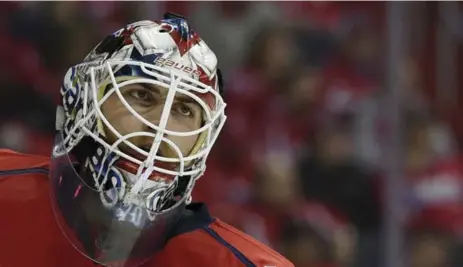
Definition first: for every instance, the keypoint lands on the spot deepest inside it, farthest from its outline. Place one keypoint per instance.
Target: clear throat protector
(126, 233)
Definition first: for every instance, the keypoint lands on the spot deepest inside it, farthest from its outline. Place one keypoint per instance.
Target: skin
(148, 101)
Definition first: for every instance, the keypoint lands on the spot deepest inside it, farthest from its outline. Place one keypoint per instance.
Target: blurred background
(343, 143)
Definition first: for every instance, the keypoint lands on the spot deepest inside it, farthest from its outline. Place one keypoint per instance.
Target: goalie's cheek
(120, 118)
(124, 124)
(184, 143)
(182, 124)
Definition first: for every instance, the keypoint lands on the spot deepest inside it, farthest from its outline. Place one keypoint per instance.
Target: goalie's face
(149, 102)
(140, 115)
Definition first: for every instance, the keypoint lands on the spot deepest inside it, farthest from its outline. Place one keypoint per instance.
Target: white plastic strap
(60, 118)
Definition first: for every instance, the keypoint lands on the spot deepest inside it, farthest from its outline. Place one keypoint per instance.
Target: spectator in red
(355, 71)
(435, 182)
(251, 93)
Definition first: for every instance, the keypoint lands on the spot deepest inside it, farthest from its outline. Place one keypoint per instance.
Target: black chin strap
(221, 82)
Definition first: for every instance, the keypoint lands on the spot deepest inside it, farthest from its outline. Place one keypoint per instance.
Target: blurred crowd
(301, 162)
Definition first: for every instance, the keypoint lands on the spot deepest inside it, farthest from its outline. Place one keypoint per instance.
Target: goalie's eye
(141, 96)
(182, 109)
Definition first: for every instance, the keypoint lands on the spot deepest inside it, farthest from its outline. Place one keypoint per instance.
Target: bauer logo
(170, 63)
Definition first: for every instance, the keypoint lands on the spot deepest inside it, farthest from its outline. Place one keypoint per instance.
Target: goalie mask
(139, 118)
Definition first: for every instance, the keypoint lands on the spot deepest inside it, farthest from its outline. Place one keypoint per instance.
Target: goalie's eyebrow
(178, 97)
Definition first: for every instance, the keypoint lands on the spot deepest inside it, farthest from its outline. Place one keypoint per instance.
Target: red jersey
(30, 236)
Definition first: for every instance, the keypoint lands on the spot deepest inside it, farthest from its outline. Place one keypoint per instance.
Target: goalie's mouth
(132, 167)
